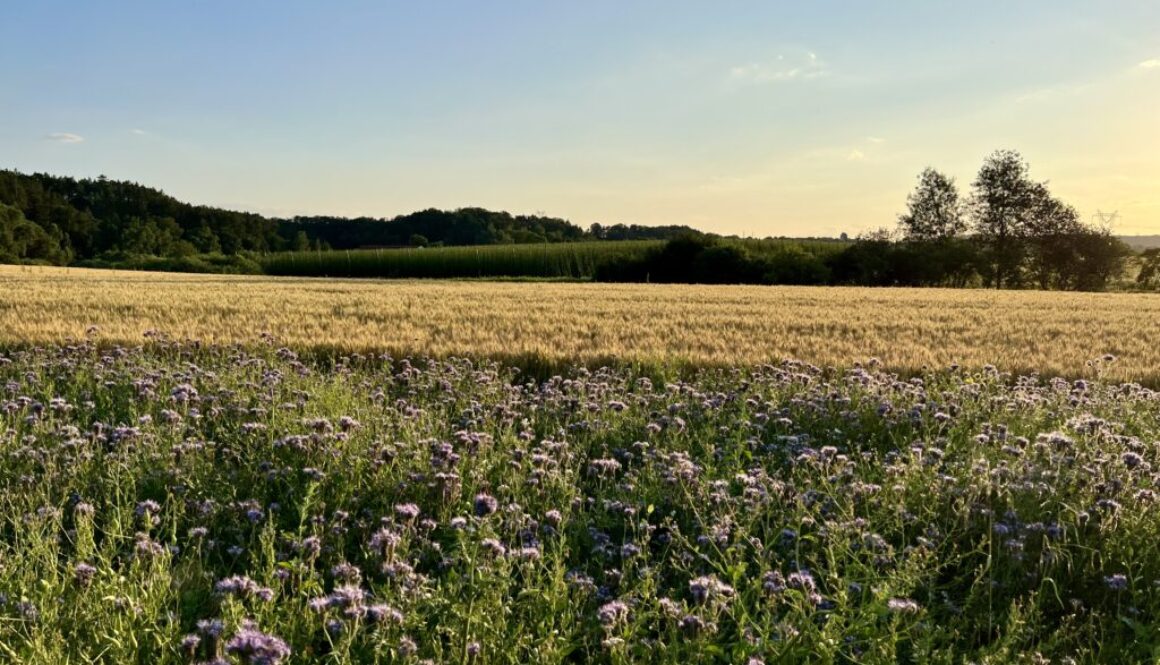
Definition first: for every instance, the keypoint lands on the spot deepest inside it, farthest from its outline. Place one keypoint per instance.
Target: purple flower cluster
(243, 587)
(454, 508)
(257, 648)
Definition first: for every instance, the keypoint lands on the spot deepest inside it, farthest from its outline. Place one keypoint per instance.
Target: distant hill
(1140, 243)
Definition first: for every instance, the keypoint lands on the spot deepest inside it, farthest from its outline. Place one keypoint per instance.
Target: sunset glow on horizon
(750, 118)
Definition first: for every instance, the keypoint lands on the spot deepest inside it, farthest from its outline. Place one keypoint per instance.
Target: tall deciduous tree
(1004, 207)
(934, 211)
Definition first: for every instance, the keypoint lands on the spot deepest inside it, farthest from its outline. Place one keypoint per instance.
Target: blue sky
(759, 118)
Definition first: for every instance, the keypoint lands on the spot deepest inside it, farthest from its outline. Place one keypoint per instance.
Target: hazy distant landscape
(1142, 242)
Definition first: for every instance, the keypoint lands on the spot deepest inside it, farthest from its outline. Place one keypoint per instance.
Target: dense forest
(1009, 232)
(61, 220)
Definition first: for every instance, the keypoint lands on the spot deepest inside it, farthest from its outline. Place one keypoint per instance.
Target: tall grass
(577, 260)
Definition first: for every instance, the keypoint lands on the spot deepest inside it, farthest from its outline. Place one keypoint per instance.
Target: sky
(752, 118)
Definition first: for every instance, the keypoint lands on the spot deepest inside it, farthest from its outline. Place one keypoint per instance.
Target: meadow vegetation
(174, 503)
(231, 470)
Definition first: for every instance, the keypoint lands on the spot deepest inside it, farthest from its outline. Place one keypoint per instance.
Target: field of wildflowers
(180, 503)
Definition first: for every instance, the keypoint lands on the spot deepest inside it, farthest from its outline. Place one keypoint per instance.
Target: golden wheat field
(907, 329)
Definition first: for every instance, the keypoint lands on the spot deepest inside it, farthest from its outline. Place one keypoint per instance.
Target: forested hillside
(79, 219)
(59, 220)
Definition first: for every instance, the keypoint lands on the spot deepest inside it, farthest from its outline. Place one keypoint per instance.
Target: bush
(234, 264)
(794, 265)
(698, 259)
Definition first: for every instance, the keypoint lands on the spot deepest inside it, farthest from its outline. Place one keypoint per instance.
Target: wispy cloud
(64, 137)
(876, 139)
(1153, 63)
(1054, 92)
(856, 156)
(807, 66)
(140, 132)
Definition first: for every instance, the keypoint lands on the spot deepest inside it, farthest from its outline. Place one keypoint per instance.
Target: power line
(1105, 219)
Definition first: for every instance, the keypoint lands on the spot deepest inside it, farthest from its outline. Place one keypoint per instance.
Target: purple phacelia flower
(773, 582)
(485, 504)
(256, 647)
(802, 580)
(708, 588)
(603, 467)
(385, 540)
(319, 604)
(347, 572)
(1117, 582)
(407, 647)
(241, 586)
(311, 547)
(383, 614)
(406, 511)
(612, 613)
(84, 573)
(1132, 460)
(190, 642)
(493, 547)
(211, 627)
(693, 625)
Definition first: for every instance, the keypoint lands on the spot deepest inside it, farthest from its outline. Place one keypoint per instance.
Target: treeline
(1010, 232)
(465, 226)
(72, 220)
(1083, 261)
(61, 220)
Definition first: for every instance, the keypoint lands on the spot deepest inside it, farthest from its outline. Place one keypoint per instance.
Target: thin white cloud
(1054, 92)
(140, 132)
(856, 156)
(807, 66)
(875, 139)
(64, 137)
(1153, 63)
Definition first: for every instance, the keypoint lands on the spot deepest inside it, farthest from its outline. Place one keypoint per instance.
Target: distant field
(561, 323)
(566, 260)
(1140, 243)
(572, 260)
